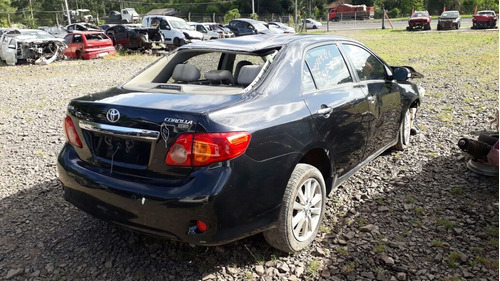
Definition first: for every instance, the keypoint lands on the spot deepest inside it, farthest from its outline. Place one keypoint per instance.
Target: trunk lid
(131, 132)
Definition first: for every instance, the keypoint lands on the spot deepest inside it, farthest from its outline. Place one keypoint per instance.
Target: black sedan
(223, 139)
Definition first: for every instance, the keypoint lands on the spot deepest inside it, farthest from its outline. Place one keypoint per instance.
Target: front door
(338, 106)
(383, 96)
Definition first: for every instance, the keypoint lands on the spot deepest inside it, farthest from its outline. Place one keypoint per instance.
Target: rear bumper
(165, 209)
(92, 54)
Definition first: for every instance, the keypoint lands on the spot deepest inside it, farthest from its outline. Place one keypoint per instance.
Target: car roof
(255, 43)
(247, 20)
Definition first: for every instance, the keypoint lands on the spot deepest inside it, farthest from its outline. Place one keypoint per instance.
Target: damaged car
(31, 46)
(88, 45)
(136, 37)
(227, 138)
(449, 20)
(420, 20)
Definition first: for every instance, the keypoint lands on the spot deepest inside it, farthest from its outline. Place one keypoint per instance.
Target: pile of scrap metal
(136, 38)
(31, 46)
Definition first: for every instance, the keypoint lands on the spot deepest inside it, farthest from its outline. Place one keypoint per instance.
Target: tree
(231, 15)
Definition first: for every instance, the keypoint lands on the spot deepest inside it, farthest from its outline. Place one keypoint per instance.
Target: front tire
(302, 210)
(404, 132)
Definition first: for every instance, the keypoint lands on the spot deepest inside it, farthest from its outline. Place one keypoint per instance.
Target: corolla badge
(113, 115)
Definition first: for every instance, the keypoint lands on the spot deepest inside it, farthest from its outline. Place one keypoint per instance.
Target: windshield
(419, 15)
(202, 72)
(259, 27)
(486, 13)
(449, 15)
(179, 24)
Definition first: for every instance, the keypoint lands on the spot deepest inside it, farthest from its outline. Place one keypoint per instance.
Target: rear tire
(302, 210)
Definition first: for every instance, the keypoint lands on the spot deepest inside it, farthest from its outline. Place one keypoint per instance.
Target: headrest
(219, 76)
(248, 74)
(186, 73)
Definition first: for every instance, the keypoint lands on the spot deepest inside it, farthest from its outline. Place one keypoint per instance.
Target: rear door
(338, 106)
(383, 95)
(121, 36)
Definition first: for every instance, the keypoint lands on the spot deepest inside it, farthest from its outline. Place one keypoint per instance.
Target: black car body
(134, 37)
(449, 20)
(215, 141)
(242, 26)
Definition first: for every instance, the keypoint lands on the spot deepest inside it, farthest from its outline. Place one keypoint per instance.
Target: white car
(31, 45)
(312, 24)
(176, 31)
(205, 30)
(282, 26)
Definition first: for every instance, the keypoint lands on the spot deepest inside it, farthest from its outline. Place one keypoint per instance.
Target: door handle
(324, 110)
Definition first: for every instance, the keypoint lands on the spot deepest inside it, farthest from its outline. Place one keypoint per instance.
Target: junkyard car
(82, 27)
(223, 139)
(484, 19)
(419, 20)
(205, 30)
(449, 20)
(282, 26)
(88, 45)
(31, 46)
(136, 37)
(223, 31)
(313, 24)
(242, 26)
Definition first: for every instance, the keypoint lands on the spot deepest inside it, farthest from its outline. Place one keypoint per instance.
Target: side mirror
(401, 73)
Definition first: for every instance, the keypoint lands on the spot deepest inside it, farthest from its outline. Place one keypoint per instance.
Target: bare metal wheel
(302, 210)
(404, 132)
(307, 209)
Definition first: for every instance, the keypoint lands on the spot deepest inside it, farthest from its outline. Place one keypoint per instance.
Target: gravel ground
(413, 215)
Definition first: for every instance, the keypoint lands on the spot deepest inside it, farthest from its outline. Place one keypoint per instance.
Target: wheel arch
(320, 159)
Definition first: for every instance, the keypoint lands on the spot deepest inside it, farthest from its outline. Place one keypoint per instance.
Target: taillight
(202, 149)
(71, 135)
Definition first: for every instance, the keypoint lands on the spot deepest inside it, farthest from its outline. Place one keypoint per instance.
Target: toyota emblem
(113, 115)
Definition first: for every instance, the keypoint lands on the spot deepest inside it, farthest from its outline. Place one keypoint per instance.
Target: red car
(88, 45)
(419, 20)
(484, 19)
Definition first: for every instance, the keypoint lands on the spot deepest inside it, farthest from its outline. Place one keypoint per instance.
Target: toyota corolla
(223, 139)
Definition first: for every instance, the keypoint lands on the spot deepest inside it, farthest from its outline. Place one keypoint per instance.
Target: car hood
(193, 33)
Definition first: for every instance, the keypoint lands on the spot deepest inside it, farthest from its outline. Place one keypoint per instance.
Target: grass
(313, 267)
(446, 223)
(453, 259)
(457, 191)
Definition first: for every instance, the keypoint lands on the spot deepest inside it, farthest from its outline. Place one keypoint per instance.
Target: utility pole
(253, 6)
(296, 20)
(67, 11)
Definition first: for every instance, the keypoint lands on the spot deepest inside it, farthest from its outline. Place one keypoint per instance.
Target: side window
(307, 81)
(327, 66)
(67, 39)
(77, 38)
(163, 24)
(366, 65)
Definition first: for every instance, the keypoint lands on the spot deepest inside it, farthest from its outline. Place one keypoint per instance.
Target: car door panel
(382, 93)
(339, 107)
